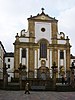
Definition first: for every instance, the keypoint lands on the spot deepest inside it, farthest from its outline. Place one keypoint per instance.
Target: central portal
(43, 71)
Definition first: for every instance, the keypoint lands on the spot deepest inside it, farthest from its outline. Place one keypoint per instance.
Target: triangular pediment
(42, 16)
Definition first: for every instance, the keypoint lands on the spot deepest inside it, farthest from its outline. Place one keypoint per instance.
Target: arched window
(43, 50)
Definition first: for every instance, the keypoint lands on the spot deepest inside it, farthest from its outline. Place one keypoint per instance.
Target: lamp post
(54, 70)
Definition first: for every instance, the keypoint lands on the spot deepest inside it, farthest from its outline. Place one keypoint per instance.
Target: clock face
(42, 17)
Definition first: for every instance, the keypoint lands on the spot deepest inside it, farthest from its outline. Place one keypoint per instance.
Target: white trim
(65, 61)
(35, 64)
(48, 59)
(58, 63)
(35, 60)
(39, 34)
(50, 63)
(27, 60)
(39, 64)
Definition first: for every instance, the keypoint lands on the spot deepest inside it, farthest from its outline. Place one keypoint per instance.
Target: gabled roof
(2, 46)
(9, 54)
(42, 16)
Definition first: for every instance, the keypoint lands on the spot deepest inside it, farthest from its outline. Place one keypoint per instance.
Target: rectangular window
(61, 54)
(8, 59)
(8, 65)
(23, 53)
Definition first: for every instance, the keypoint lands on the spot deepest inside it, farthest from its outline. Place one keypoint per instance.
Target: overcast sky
(14, 14)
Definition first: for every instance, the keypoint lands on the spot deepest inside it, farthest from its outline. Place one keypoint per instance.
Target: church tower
(40, 46)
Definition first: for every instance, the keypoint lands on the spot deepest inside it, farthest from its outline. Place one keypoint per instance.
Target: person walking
(27, 88)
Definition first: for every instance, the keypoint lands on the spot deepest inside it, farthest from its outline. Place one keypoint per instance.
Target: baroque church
(41, 46)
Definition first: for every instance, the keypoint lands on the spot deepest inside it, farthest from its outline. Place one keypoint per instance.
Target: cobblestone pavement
(19, 95)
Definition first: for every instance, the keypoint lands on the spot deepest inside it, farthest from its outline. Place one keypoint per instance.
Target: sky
(14, 14)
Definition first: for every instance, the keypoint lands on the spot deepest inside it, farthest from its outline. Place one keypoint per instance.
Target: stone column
(54, 79)
(20, 80)
(55, 56)
(72, 82)
(16, 60)
(20, 76)
(67, 54)
(31, 62)
(36, 58)
(67, 59)
(54, 27)
(16, 56)
(54, 69)
(5, 76)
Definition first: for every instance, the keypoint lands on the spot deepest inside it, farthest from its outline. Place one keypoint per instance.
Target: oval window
(43, 29)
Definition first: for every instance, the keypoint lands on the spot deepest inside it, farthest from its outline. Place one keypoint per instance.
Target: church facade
(41, 46)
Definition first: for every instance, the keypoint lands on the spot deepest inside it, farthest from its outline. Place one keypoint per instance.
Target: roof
(9, 54)
(2, 46)
(38, 16)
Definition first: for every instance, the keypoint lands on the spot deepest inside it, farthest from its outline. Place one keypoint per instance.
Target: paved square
(19, 95)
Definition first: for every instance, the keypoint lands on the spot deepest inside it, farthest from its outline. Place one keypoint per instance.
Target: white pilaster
(27, 60)
(35, 67)
(23, 61)
(39, 64)
(65, 61)
(58, 62)
(50, 63)
(48, 59)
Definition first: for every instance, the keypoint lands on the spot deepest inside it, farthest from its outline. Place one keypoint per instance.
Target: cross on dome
(42, 10)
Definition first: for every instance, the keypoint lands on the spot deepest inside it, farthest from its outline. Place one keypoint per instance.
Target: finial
(67, 37)
(30, 16)
(42, 10)
(17, 34)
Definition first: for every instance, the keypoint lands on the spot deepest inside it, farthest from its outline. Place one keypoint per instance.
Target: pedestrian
(27, 88)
